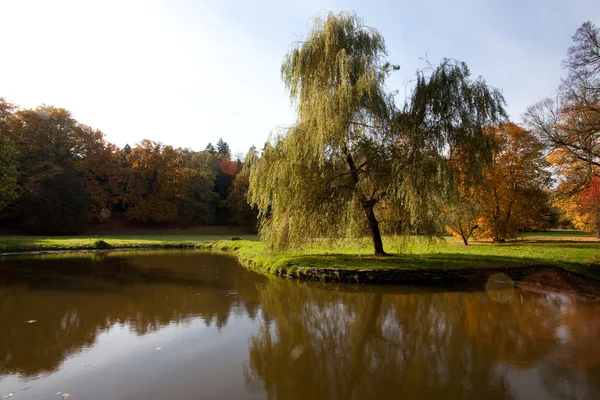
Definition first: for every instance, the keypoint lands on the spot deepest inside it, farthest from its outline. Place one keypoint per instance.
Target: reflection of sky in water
(122, 364)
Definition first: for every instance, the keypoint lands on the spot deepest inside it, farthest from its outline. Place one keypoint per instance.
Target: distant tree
(570, 125)
(223, 148)
(583, 208)
(99, 163)
(461, 216)
(157, 182)
(239, 210)
(200, 205)
(226, 170)
(53, 147)
(352, 158)
(57, 204)
(8, 158)
(210, 148)
(513, 195)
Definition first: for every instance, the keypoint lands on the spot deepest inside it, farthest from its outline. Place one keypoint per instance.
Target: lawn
(564, 249)
(583, 257)
(11, 244)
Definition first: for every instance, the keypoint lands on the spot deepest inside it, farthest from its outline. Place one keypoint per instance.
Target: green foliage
(222, 148)
(239, 210)
(50, 143)
(8, 175)
(200, 205)
(55, 205)
(8, 157)
(581, 257)
(210, 148)
(353, 160)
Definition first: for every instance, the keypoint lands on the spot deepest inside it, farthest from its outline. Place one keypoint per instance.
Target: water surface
(189, 325)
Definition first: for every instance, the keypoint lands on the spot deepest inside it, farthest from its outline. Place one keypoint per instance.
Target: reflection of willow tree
(361, 345)
(328, 344)
(75, 299)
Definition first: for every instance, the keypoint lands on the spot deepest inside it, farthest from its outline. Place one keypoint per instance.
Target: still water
(188, 325)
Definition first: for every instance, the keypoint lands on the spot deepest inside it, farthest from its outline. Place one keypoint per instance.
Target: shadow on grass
(411, 261)
(435, 261)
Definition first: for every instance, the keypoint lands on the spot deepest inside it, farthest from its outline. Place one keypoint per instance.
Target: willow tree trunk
(374, 227)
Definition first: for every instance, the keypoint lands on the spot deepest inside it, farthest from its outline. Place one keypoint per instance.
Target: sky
(186, 73)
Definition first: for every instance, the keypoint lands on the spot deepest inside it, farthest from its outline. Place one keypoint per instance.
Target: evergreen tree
(210, 148)
(223, 148)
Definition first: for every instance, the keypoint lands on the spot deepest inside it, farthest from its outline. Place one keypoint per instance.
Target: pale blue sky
(188, 72)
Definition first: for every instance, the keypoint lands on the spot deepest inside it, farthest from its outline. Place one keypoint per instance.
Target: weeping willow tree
(353, 164)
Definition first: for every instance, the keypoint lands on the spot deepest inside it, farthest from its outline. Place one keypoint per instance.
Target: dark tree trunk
(463, 236)
(374, 227)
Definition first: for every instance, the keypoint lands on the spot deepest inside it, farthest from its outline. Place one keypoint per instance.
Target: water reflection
(278, 339)
(427, 345)
(73, 299)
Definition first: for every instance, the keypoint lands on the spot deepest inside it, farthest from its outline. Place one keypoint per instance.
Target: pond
(189, 325)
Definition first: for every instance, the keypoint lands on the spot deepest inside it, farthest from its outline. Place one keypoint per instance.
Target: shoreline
(535, 276)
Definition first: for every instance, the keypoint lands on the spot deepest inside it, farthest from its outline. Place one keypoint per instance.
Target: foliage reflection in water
(191, 325)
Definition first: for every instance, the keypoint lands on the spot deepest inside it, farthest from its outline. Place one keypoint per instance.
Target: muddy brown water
(189, 325)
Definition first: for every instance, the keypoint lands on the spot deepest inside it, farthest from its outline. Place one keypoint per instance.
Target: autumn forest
(60, 176)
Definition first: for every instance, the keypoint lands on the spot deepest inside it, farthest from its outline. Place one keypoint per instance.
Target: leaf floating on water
(231, 292)
(57, 393)
(8, 396)
(65, 395)
(27, 388)
(158, 348)
(31, 321)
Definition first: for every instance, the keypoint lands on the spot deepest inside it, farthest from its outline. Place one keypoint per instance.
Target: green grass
(561, 251)
(12, 244)
(560, 234)
(582, 257)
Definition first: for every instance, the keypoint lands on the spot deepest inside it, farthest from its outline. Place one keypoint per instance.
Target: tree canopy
(354, 163)
(8, 158)
(570, 125)
(54, 168)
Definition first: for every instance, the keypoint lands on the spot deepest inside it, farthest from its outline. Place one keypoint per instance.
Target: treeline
(57, 175)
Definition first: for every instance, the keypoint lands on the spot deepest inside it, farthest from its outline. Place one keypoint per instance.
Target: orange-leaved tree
(157, 182)
(513, 196)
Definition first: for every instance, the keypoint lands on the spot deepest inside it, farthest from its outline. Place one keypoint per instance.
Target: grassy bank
(582, 257)
(564, 250)
(14, 244)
